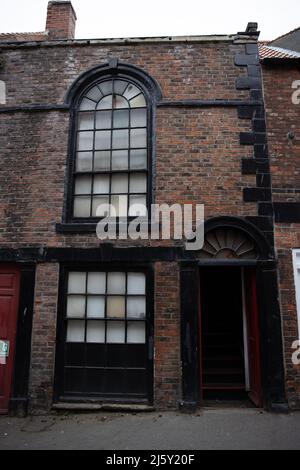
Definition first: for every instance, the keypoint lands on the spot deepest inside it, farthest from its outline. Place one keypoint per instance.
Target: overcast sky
(135, 18)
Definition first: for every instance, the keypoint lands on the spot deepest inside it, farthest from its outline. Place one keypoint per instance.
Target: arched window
(111, 147)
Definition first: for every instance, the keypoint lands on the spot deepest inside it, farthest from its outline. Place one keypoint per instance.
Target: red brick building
(144, 323)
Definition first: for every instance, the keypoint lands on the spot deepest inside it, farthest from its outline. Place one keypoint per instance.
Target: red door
(255, 392)
(9, 297)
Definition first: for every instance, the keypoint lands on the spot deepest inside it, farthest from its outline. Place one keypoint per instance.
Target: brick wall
(283, 117)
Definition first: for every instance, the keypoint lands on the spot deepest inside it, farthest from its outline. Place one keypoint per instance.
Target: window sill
(89, 227)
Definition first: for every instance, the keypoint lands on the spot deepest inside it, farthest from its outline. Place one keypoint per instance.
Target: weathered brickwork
(283, 117)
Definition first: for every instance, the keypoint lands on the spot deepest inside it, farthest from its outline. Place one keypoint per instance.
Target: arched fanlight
(228, 243)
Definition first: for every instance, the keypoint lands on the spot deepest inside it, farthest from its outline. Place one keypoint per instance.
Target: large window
(104, 338)
(111, 161)
(296, 262)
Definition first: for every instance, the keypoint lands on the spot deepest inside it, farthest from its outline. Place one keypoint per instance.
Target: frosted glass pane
(115, 332)
(96, 283)
(136, 307)
(106, 87)
(85, 140)
(75, 331)
(97, 209)
(76, 283)
(116, 283)
(120, 139)
(86, 121)
(94, 94)
(101, 184)
(105, 103)
(138, 118)
(138, 159)
(136, 332)
(119, 183)
(76, 306)
(84, 161)
(87, 105)
(136, 283)
(103, 120)
(137, 206)
(119, 86)
(120, 203)
(119, 160)
(121, 119)
(95, 307)
(83, 185)
(138, 138)
(82, 206)
(138, 183)
(115, 307)
(95, 332)
(138, 102)
(120, 102)
(102, 160)
(102, 140)
(131, 91)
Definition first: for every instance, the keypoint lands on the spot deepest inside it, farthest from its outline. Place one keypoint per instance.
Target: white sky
(135, 18)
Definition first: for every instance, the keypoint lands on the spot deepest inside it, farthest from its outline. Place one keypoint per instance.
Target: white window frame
(296, 265)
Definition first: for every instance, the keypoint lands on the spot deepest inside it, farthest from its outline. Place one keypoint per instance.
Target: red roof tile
(8, 37)
(271, 52)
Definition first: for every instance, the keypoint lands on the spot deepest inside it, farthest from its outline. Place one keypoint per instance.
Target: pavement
(208, 429)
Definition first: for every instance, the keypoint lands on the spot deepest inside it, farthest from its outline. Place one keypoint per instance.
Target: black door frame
(273, 383)
(60, 335)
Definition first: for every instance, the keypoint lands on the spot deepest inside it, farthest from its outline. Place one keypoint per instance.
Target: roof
(271, 52)
(7, 37)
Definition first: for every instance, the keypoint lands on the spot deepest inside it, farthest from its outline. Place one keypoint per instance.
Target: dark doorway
(223, 369)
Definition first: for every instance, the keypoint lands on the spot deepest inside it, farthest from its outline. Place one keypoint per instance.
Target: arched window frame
(152, 94)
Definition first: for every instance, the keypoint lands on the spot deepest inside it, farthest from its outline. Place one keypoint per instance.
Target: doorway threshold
(101, 407)
(226, 404)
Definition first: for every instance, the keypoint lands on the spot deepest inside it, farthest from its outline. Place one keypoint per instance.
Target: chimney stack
(61, 20)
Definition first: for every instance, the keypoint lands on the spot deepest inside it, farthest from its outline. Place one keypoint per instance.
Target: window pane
(75, 331)
(115, 332)
(103, 120)
(137, 206)
(131, 91)
(102, 160)
(82, 206)
(105, 103)
(120, 204)
(136, 332)
(115, 307)
(83, 185)
(76, 283)
(106, 87)
(138, 102)
(120, 139)
(84, 161)
(136, 307)
(120, 102)
(138, 159)
(95, 332)
(138, 138)
(86, 121)
(94, 94)
(138, 118)
(96, 283)
(101, 184)
(119, 86)
(76, 306)
(136, 283)
(102, 140)
(87, 105)
(85, 140)
(119, 183)
(100, 206)
(138, 183)
(119, 160)
(116, 283)
(95, 306)
(121, 119)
